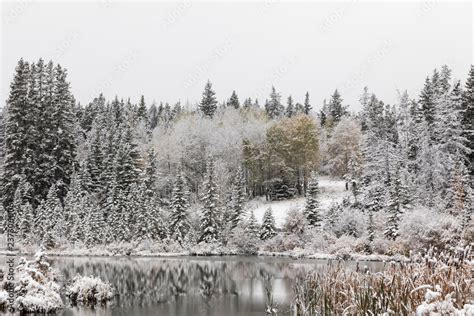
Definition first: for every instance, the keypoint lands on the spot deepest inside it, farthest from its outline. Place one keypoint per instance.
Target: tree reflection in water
(191, 285)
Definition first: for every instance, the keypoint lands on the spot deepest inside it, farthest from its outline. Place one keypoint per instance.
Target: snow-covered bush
(37, 290)
(89, 290)
(319, 240)
(351, 222)
(295, 222)
(243, 241)
(345, 246)
(284, 242)
(423, 228)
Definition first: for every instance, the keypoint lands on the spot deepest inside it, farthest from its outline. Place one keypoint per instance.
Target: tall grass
(398, 290)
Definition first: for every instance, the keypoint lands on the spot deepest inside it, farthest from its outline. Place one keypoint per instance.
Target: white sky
(167, 50)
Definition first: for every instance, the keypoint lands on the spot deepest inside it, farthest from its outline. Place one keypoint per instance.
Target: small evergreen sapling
(311, 209)
(268, 229)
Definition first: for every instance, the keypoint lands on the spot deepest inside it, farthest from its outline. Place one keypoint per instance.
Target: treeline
(116, 171)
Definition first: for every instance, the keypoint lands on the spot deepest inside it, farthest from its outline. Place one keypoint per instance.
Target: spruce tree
(247, 103)
(126, 160)
(311, 209)
(210, 200)
(25, 231)
(142, 112)
(153, 116)
(16, 126)
(397, 204)
(307, 105)
(273, 107)
(150, 173)
(179, 223)
(268, 229)
(94, 224)
(64, 150)
(299, 108)
(467, 118)
(427, 102)
(238, 197)
(336, 109)
(252, 227)
(290, 108)
(208, 103)
(234, 101)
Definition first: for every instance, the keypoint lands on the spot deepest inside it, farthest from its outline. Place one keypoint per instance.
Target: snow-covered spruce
(89, 290)
(36, 290)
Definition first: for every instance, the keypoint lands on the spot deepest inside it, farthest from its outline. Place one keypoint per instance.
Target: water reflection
(192, 285)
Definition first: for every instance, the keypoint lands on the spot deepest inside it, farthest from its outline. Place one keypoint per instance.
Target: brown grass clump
(438, 285)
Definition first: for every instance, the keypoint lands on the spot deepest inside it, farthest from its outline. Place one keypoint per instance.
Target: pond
(182, 286)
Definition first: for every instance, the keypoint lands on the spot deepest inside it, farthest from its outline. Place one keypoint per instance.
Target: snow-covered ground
(331, 191)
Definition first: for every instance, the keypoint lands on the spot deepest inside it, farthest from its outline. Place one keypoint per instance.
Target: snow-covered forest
(142, 175)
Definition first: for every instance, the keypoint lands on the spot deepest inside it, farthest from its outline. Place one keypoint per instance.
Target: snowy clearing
(332, 191)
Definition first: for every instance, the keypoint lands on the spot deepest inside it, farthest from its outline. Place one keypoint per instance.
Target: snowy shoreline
(264, 254)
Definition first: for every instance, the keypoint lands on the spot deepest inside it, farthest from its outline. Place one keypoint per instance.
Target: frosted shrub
(345, 246)
(243, 241)
(295, 222)
(423, 228)
(284, 242)
(350, 222)
(37, 290)
(321, 239)
(89, 290)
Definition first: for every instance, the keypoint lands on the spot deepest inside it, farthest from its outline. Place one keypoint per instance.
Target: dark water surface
(193, 286)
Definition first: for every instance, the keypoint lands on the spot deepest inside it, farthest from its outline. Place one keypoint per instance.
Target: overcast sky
(167, 51)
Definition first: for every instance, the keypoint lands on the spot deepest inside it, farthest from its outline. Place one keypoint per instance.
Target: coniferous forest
(132, 175)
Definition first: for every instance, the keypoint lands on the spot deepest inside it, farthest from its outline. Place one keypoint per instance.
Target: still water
(195, 286)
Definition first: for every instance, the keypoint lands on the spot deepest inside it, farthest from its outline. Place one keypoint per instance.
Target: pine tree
(238, 197)
(210, 199)
(234, 101)
(150, 173)
(48, 215)
(64, 146)
(336, 109)
(208, 103)
(94, 223)
(397, 204)
(290, 108)
(179, 224)
(25, 232)
(153, 116)
(126, 160)
(137, 209)
(467, 118)
(274, 108)
(427, 102)
(142, 112)
(157, 228)
(307, 105)
(311, 209)
(268, 229)
(16, 126)
(247, 103)
(252, 227)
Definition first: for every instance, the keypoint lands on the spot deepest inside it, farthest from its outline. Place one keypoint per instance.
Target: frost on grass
(37, 289)
(434, 286)
(89, 290)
